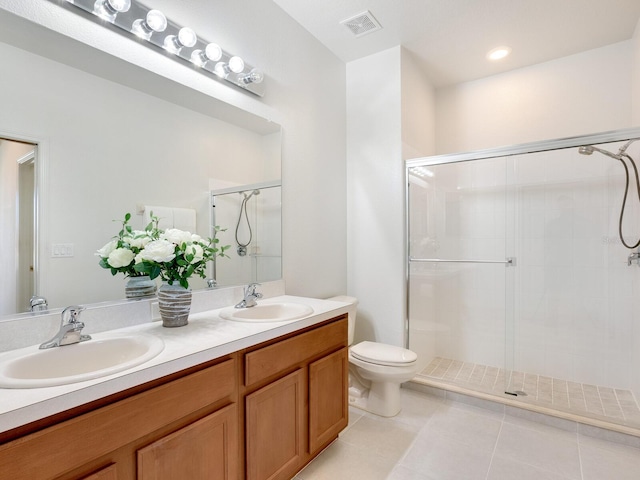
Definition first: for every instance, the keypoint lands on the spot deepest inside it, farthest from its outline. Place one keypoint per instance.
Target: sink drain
(517, 393)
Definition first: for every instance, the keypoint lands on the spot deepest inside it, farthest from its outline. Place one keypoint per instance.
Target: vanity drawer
(277, 357)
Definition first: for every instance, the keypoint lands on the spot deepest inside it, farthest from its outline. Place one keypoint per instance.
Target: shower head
(589, 149)
(586, 150)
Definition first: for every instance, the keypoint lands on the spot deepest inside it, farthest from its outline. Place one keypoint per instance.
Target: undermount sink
(103, 355)
(268, 312)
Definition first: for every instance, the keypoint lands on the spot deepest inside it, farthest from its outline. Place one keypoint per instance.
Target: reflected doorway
(17, 224)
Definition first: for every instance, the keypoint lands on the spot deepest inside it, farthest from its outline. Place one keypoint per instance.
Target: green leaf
(155, 272)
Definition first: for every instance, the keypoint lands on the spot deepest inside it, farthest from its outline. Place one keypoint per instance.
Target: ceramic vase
(140, 287)
(174, 302)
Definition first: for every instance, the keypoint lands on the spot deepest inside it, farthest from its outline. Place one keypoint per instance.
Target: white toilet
(376, 370)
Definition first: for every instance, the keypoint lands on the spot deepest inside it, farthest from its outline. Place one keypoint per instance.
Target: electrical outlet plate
(62, 250)
(155, 312)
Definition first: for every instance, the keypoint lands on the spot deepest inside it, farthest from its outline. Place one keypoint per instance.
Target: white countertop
(205, 338)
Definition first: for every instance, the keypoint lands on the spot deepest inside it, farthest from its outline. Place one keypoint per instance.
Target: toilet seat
(383, 354)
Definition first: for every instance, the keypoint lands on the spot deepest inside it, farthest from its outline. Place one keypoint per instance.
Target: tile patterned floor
(436, 439)
(605, 403)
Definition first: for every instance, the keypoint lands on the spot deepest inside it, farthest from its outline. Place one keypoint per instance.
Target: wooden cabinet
(295, 400)
(102, 444)
(275, 429)
(261, 413)
(328, 398)
(203, 450)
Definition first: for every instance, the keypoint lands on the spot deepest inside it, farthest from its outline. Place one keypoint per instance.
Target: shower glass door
(519, 283)
(460, 230)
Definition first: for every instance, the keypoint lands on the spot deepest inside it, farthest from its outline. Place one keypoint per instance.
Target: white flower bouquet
(173, 255)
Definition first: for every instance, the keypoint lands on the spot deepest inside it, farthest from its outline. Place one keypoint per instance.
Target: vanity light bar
(152, 26)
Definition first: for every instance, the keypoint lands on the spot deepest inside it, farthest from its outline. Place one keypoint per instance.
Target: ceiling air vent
(362, 24)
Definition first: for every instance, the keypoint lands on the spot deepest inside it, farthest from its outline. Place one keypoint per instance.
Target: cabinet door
(328, 401)
(275, 428)
(205, 450)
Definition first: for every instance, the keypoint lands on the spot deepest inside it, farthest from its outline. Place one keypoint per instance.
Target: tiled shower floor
(592, 401)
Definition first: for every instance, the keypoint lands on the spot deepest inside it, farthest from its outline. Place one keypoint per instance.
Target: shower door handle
(509, 261)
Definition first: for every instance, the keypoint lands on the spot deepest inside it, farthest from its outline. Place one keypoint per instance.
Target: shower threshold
(599, 406)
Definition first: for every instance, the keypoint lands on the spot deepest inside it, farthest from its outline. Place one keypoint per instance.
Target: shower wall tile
(559, 252)
(615, 190)
(589, 251)
(530, 170)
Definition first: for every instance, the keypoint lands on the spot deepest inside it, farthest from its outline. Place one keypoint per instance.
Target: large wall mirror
(105, 149)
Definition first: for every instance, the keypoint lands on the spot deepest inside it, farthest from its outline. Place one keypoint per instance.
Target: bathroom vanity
(258, 412)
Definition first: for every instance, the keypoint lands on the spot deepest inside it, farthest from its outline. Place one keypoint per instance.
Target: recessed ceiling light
(498, 53)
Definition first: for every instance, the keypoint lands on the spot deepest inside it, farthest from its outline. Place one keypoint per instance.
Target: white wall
(305, 93)
(375, 200)
(635, 94)
(390, 117)
(580, 94)
(418, 110)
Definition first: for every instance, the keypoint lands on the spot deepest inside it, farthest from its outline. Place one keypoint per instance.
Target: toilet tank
(351, 312)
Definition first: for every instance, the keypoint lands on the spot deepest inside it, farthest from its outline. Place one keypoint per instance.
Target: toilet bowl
(376, 370)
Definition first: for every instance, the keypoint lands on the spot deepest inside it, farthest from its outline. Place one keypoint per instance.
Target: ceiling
(450, 38)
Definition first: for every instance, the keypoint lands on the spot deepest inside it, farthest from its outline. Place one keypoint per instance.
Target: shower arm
(620, 156)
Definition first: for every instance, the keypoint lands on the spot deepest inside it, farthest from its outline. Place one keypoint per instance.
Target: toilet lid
(383, 354)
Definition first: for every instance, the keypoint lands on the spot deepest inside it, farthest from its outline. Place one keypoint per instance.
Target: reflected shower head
(253, 192)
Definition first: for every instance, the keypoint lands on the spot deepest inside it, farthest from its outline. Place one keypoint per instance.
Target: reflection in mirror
(252, 213)
(17, 224)
(108, 149)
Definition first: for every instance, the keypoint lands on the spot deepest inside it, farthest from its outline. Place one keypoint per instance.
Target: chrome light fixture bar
(181, 42)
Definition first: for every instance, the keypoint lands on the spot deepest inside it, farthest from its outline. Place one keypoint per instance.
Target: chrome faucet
(250, 296)
(70, 329)
(38, 303)
(633, 257)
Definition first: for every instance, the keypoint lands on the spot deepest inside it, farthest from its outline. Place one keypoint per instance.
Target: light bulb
(236, 64)
(254, 76)
(109, 9)
(213, 52)
(221, 69)
(119, 5)
(155, 21)
(198, 58)
(187, 37)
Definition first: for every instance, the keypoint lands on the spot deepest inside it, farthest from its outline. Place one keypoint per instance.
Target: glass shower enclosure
(519, 286)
